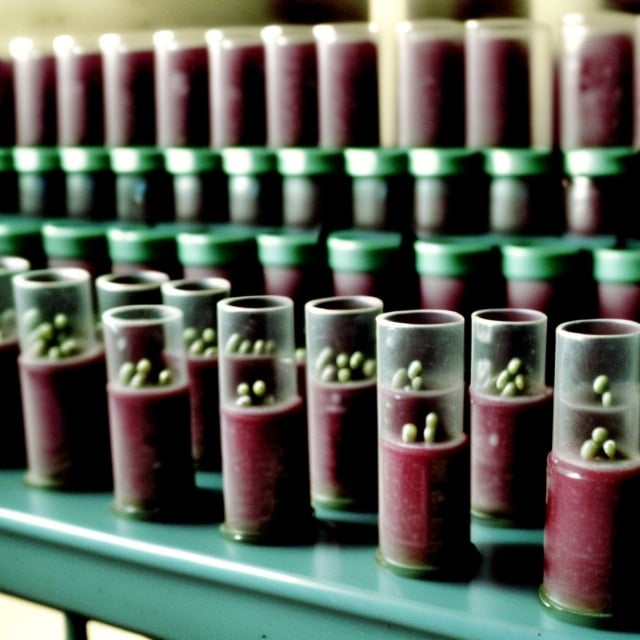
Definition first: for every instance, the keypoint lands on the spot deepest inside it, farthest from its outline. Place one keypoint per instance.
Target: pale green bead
(589, 449)
(329, 373)
(270, 346)
(259, 388)
(245, 347)
(509, 390)
(324, 358)
(243, 389)
(502, 380)
(209, 335)
(417, 384)
(369, 368)
(429, 434)
(514, 366)
(607, 399)
(126, 372)
(415, 369)
(356, 360)
(409, 432)
(138, 380)
(197, 347)
(189, 335)
(600, 384)
(520, 381)
(400, 379)
(243, 401)
(600, 434)
(259, 347)
(143, 366)
(233, 342)
(342, 360)
(344, 374)
(165, 377)
(610, 449)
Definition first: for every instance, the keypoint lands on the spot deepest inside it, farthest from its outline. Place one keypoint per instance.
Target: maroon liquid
(598, 87)
(265, 472)
(7, 105)
(431, 93)
(205, 412)
(238, 109)
(591, 536)
(498, 80)
(129, 100)
(35, 100)
(510, 441)
(66, 422)
(182, 84)
(80, 100)
(292, 95)
(343, 444)
(619, 300)
(153, 470)
(12, 447)
(348, 95)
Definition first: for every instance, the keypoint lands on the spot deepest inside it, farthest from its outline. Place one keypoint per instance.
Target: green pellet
(324, 358)
(245, 346)
(417, 384)
(429, 434)
(589, 449)
(60, 321)
(69, 347)
(197, 347)
(259, 388)
(138, 380)
(600, 384)
(509, 390)
(165, 377)
(143, 366)
(514, 366)
(54, 353)
(356, 360)
(431, 421)
(329, 373)
(209, 352)
(520, 381)
(502, 380)
(127, 371)
(610, 449)
(342, 360)
(233, 343)
(243, 389)
(209, 335)
(607, 399)
(243, 401)
(409, 432)
(369, 368)
(259, 347)
(599, 434)
(400, 379)
(344, 374)
(189, 335)
(415, 369)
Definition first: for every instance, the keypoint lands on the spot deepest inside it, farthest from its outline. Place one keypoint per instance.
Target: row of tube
(489, 82)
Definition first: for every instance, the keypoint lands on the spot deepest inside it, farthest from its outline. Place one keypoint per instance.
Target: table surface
(187, 581)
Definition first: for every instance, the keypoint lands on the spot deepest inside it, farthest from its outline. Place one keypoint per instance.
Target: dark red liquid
(424, 503)
(292, 95)
(182, 84)
(153, 470)
(12, 447)
(238, 109)
(510, 441)
(348, 95)
(80, 99)
(35, 96)
(498, 82)
(7, 104)
(598, 92)
(265, 472)
(431, 96)
(343, 456)
(66, 422)
(129, 100)
(205, 412)
(591, 536)
(619, 300)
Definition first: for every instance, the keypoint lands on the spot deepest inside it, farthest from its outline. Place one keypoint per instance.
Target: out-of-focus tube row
(244, 124)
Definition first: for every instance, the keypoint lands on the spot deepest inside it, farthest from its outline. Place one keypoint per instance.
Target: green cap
(84, 159)
(617, 265)
(36, 159)
(378, 161)
(132, 243)
(74, 239)
(451, 256)
(309, 161)
(601, 161)
(543, 260)
(218, 245)
(430, 162)
(287, 248)
(355, 250)
(136, 159)
(249, 160)
(20, 236)
(6, 159)
(500, 162)
(187, 161)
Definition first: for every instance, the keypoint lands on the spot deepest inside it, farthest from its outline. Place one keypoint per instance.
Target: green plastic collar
(74, 239)
(6, 159)
(219, 245)
(520, 162)
(18, 236)
(136, 159)
(544, 261)
(433, 163)
(84, 159)
(605, 161)
(309, 161)
(379, 161)
(617, 265)
(249, 160)
(287, 248)
(451, 257)
(36, 159)
(354, 250)
(139, 244)
(187, 161)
